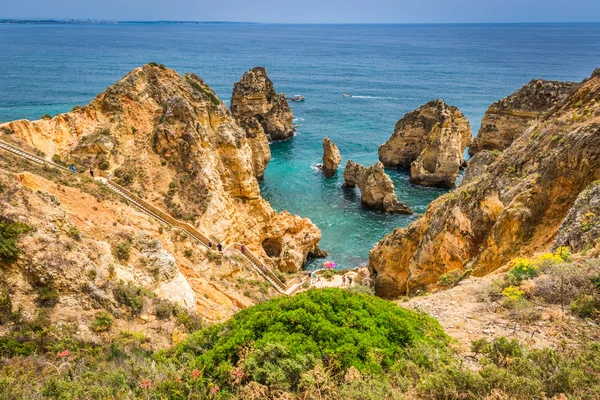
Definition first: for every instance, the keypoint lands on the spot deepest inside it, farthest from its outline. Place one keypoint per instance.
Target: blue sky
(310, 11)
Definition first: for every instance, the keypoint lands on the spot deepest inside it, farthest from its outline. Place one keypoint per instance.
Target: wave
(375, 97)
(297, 119)
(315, 167)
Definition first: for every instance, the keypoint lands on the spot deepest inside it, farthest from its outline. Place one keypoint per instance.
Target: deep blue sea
(389, 69)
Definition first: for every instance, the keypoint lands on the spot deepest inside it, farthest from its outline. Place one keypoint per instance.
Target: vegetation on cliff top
(319, 344)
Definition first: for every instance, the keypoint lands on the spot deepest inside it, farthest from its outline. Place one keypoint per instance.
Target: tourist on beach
(72, 168)
(343, 280)
(219, 247)
(349, 281)
(91, 172)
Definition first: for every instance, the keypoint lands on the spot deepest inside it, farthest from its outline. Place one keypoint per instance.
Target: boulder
(376, 187)
(509, 118)
(430, 141)
(331, 158)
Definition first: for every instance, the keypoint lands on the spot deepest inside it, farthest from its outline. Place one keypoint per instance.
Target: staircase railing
(158, 214)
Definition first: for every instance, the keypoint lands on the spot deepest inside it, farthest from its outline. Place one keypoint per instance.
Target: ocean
(389, 70)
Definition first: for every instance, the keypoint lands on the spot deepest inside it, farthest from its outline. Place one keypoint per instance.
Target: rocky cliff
(515, 206)
(86, 260)
(169, 139)
(508, 118)
(430, 141)
(331, 158)
(376, 187)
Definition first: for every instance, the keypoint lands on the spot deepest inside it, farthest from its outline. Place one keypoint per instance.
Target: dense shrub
(122, 251)
(289, 335)
(163, 309)
(328, 275)
(129, 295)
(104, 165)
(9, 232)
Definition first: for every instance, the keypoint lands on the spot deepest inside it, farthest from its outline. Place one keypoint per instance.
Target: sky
(309, 11)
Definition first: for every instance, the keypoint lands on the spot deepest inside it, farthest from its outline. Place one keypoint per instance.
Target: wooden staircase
(166, 219)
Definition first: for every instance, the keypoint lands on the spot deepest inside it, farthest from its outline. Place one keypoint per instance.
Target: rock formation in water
(430, 141)
(510, 117)
(331, 158)
(376, 187)
(580, 230)
(254, 97)
(169, 139)
(514, 207)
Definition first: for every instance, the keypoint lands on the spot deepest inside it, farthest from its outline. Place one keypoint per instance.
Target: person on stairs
(72, 168)
(92, 172)
(219, 247)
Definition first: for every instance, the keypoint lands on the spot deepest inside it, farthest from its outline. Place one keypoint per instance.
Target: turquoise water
(390, 69)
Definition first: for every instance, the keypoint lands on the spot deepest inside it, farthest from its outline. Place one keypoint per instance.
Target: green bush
(328, 275)
(46, 116)
(188, 253)
(163, 309)
(74, 233)
(310, 328)
(103, 322)
(9, 232)
(191, 320)
(122, 251)
(104, 165)
(523, 268)
(129, 295)
(585, 306)
(47, 296)
(57, 160)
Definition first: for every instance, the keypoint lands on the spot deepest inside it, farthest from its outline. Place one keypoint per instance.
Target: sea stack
(507, 119)
(254, 97)
(376, 187)
(331, 158)
(430, 141)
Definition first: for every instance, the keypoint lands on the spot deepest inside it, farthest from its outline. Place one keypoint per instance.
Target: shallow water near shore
(389, 70)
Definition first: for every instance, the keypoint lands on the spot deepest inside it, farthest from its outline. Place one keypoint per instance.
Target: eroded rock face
(514, 207)
(581, 228)
(254, 96)
(331, 157)
(510, 117)
(376, 187)
(430, 141)
(178, 146)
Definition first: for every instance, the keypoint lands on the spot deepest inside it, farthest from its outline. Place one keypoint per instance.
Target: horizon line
(4, 20)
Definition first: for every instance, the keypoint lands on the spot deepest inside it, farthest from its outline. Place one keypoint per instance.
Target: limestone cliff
(169, 139)
(514, 207)
(376, 187)
(84, 253)
(508, 118)
(430, 141)
(254, 97)
(331, 158)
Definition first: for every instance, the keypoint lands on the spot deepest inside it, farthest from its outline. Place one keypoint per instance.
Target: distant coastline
(102, 22)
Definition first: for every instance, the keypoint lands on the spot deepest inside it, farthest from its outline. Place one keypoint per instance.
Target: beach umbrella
(329, 264)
